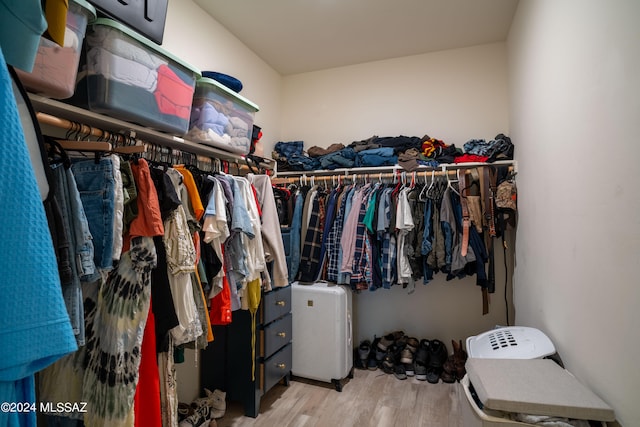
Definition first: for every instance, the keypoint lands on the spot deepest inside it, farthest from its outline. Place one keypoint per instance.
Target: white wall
(195, 37)
(574, 70)
(453, 95)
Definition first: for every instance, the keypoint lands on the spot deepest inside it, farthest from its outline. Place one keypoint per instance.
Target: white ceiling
(295, 36)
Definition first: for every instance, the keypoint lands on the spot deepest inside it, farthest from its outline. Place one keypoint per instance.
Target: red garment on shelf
(172, 94)
(470, 158)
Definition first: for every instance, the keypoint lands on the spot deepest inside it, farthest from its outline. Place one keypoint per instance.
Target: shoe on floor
(184, 410)
(388, 363)
(437, 357)
(410, 369)
(214, 400)
(364, 349)
(422, 360)
(454, 368)
(399, 371)
(199, 418)
(385, 342)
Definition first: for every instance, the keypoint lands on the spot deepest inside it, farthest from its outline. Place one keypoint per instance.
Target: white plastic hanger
(425, 190)
(450, 181)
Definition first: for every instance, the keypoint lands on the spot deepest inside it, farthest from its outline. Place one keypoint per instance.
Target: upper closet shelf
(392, 169)
(79, 115)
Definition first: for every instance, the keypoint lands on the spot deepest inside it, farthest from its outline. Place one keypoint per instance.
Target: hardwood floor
(371, 398)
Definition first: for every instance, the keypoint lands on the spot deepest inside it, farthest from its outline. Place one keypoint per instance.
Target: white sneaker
(215, 400)
(200, 417)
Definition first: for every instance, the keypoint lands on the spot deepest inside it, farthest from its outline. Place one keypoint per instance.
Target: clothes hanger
(450, 181)
(130, 148)
(81, 144)
(426, 189)
(56, 153)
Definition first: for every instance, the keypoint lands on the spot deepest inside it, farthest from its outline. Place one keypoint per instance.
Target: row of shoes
(405, 356)
(203, 411)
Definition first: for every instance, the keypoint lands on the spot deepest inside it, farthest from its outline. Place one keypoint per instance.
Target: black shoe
(399, 371)
(372, 363)
(422, 360)
(390, 360)
(378, 353)
(364, 349)
(438, 355)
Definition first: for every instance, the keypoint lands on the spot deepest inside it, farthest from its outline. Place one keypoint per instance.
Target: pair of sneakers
(206, 409)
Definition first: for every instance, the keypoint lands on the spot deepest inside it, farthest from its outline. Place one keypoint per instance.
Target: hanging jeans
(96, 184)
(80, 249)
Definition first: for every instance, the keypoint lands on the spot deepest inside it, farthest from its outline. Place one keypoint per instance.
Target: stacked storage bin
(126, 76)
(221, 118)
(55, 68)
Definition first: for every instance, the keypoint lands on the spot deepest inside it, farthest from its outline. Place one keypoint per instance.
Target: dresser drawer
(275, 335)
(276, 303)
(275, 368)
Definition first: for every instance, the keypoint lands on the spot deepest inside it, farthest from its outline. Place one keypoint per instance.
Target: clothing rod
(372, 177)
(347, 172)
(83, 130)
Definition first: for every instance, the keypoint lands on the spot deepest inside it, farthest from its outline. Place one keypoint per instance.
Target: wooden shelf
(89, 118)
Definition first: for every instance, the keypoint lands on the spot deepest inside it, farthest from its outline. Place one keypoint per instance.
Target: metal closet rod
(401, 175)
(374, 171)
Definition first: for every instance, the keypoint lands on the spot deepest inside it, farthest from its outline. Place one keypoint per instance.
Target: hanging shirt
(294, 235)
(181, 257)
(387, 240)
(273, 245)
(404, 224)
(333, 238)
(216, 230)
(310, 259)
(32, 309)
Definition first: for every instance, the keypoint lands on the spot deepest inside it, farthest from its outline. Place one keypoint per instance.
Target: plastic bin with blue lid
(126, 76)
(221, 118)
(55, 67)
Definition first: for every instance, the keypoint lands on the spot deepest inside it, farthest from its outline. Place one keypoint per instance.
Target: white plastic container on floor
(322, 332)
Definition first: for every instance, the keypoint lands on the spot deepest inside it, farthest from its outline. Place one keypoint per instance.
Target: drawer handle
(282, 334)
(281, 303)
(281, 365)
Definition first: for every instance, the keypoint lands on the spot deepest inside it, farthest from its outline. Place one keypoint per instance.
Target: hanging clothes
(310, 257)
(273, 245)
(31, 302)
(378, 236)
(181, 258)
(114, 351)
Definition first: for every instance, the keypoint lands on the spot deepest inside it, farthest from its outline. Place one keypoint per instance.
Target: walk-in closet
(357, 213)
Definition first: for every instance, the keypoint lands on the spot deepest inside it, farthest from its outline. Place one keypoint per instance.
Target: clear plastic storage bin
(127, 76)
(221, 118)
(55, 68)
